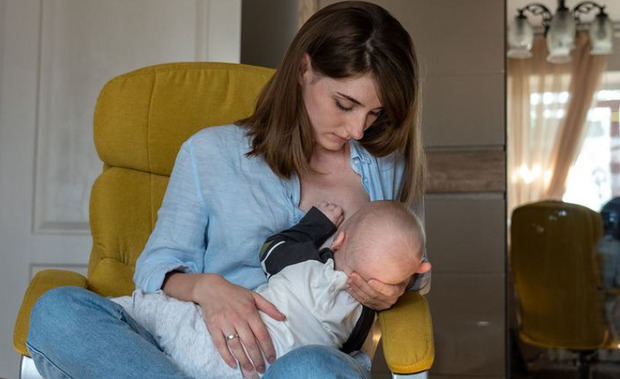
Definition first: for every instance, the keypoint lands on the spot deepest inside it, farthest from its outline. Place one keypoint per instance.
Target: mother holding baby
(338, 122)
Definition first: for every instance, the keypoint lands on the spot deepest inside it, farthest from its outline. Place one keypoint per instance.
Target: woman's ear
(305, 67)
(338, 241)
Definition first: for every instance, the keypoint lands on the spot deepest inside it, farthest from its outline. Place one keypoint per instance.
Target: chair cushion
(409, 317)
(123, 207)
(142, 117)
(42, 282)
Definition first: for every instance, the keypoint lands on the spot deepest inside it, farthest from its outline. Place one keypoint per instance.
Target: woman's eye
(342, 107)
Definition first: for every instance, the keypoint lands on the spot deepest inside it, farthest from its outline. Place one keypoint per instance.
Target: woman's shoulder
(223, 133)
(222, 138)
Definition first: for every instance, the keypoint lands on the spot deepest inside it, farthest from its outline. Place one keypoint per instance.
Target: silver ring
(231, 337)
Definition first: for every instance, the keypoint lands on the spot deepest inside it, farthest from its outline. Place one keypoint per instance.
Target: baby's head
(383, 240)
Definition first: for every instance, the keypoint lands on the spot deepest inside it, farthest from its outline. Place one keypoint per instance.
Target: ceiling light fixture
(560, 30)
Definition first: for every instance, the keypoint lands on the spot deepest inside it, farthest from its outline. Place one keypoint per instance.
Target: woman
(337, 122)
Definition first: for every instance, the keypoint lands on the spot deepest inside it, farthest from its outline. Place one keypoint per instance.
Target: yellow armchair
(556, 274)
(141, 119)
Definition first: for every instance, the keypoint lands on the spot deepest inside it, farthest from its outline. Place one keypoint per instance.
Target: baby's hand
(334, 212)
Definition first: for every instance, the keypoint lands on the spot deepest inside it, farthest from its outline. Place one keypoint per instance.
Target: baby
(382, 241)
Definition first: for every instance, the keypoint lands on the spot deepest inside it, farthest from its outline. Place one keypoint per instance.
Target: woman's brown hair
(343, 40)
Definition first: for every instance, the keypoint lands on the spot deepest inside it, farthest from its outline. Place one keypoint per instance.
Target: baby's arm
(302, 241)
(333, 212)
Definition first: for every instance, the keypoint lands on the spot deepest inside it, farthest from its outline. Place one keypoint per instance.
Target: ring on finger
(232, 336)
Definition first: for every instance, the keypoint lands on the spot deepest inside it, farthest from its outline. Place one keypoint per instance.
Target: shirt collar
(358, 151)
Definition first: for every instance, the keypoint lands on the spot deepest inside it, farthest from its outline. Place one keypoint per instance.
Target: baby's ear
(338, 241)
(423, 267)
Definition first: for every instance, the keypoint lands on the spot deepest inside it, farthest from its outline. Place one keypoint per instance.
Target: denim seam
(33, 349)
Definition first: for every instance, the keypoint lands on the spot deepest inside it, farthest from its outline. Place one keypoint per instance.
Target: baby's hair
(394, 213)
(381, 223)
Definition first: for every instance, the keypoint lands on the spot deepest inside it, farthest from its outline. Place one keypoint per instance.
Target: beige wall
(461, 46)
(267, 28)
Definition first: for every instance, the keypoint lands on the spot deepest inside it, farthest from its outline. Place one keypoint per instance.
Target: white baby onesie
(311, 294)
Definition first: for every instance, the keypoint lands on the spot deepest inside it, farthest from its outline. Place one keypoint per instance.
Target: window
(595, 175)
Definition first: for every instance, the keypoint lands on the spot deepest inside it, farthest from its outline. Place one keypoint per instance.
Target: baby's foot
(334, 212)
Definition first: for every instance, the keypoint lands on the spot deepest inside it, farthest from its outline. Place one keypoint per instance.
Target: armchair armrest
(42, 282)
(407, 335)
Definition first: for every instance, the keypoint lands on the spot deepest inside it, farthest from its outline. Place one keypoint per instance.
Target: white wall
(55, 55)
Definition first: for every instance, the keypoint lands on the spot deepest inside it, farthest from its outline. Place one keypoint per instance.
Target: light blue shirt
(221, 205)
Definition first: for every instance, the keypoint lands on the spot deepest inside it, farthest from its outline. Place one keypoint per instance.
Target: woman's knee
(56, 309)
(316, 361)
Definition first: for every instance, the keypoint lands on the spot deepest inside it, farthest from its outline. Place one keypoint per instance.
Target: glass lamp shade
(520, 38)
(601, 35)
(561, 36)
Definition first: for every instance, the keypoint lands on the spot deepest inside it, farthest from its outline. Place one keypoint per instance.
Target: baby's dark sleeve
(298, 243)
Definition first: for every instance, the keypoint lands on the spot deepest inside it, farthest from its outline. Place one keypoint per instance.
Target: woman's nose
(356, 127)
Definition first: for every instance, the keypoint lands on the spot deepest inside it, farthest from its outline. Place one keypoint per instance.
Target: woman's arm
(178, 241)
(173, 261)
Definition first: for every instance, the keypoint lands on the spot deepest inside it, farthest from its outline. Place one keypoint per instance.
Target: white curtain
(547, 109)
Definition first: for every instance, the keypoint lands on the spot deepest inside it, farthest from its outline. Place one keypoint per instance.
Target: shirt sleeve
(298, 243)
(178, 241)
(419, 282)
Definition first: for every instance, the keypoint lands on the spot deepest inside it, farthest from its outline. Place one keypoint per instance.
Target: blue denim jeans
(315, 361)
(75, 333)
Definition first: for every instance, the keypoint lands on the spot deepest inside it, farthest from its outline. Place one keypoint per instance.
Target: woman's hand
(232, 318)
(231, 314)
(375, 294)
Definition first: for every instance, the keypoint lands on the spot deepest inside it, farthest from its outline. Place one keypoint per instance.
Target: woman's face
(338, 109)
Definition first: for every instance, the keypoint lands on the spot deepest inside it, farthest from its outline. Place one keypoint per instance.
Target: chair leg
(420, 375)
(583, 370)
(583, 364)
(27, 369)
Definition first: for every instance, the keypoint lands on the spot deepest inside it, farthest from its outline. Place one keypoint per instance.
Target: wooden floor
(598, 371)
(552, 364)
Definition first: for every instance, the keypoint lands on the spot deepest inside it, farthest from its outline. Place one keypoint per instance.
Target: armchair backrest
(556, 275)
(141, 120)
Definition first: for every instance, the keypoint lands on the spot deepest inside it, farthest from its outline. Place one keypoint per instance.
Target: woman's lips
(340, 139)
